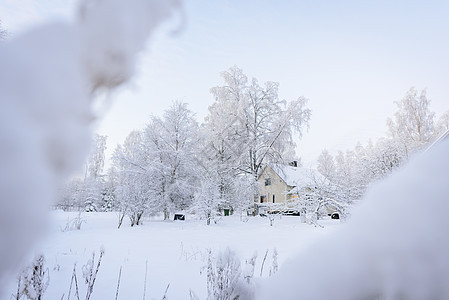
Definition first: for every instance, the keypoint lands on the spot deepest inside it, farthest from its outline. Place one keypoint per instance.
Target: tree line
(175, 164)
(411, 129)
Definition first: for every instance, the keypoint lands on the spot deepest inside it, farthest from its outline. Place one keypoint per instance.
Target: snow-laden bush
(33, 280)
(207, 201)
(90, 272)
(223, 273)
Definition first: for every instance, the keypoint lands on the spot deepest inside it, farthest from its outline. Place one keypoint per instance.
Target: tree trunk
(166, 214)
(139, 217)
(120, 219)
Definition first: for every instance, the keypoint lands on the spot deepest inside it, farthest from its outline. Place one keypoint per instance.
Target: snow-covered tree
(262, 125)
(109, 196)
(413, 122)
(172, 144)
(317, 194)
(351, 172)
(133, 188)
(219, 157)
(90, 193)
(207, 200)
(386, 156)
(326, 165)
(442, 124)
(95, 162)
(157, 168)
(71, 195)
(94, 180)
(343, 180)
(349, 182)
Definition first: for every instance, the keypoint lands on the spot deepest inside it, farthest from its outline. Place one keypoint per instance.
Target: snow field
(175, 251)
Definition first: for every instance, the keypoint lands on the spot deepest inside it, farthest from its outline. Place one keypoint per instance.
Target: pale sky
(351, 59)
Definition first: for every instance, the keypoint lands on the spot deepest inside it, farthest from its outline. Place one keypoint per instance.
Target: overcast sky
(351, 59)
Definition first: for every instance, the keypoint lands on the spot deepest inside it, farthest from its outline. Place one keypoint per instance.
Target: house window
(273, 198)
(267, 181)
(262, 199)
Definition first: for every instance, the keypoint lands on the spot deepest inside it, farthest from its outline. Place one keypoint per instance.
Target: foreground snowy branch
(48, 77)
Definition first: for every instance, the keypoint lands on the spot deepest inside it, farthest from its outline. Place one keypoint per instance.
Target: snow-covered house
(280, 184)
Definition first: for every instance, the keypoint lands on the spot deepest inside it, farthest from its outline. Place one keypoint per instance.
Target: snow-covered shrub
(228, 280)
(248, 270)
(34, 280)
(207, 201)
(73, 223)
(223, 273)
(90, 272)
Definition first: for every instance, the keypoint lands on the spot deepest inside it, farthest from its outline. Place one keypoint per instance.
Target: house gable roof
(295, 176)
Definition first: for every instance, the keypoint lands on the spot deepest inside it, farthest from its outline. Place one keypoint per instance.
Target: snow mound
(395, 246)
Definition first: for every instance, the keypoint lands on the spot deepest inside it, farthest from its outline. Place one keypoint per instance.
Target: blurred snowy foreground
(395, 246)
(49, 78)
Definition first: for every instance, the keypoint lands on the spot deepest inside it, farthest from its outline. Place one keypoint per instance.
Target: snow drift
(396, 245)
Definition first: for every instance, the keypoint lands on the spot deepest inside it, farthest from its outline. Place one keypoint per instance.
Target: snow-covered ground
(175, 252)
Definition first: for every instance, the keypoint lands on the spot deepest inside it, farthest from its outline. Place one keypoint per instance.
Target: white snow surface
(396, 244)
(176, 251)
(299, 177)
(48, 79)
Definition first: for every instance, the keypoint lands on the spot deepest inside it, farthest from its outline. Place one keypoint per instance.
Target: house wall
(278, 187)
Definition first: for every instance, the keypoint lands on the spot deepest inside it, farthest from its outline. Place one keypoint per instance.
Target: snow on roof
(297, 176)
